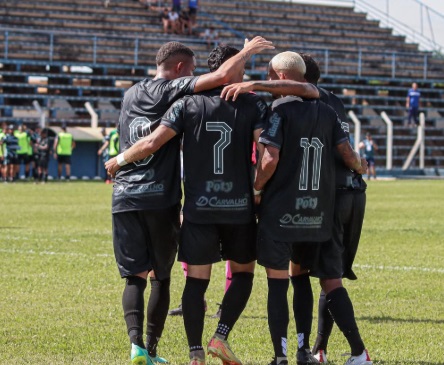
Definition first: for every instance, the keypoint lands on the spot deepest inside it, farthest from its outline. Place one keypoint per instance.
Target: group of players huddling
(308, 197)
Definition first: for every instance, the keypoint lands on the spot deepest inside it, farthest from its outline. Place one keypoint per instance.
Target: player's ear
(179, 67)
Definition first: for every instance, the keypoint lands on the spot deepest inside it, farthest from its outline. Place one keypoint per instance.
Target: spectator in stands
(176, 6)
(173, 18)
(211, 37)
(412, 104)
(63, 146)
(10, 142)
(43, 150)
(369, 147)
(165, 20)
(22, 154)
(185, 22)
(192, 6)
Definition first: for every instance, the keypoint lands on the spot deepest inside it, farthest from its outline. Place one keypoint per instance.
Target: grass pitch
(60, 298)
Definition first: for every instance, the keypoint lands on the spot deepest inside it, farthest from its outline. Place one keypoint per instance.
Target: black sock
(234, 302)
(341, 308)
(157, 312)
(325, 325)
(278, 315)
(133, 308)
(303, 309)
(194, 311)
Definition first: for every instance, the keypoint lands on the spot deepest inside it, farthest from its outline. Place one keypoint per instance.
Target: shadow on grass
(378, 319)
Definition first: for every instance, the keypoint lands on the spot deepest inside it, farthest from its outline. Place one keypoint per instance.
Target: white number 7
(221, 144)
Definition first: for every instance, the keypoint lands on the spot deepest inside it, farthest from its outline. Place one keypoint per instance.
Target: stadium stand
(64, 53)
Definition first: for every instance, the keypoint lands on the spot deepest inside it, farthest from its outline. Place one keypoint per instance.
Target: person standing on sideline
(292, 221)
(22, 154)
(147, 193)
(10, 145)
(369, 147)
(42, 152)
(109, 148)
(63, 147)
(413, 104)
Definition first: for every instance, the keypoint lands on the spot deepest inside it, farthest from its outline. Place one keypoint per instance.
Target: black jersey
(345, 178)
(154, 182)
(298, 201)
(217, 145)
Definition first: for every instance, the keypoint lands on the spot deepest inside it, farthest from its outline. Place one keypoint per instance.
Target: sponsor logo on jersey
(301, 221)
(218, 185)
(306, 202)
(224, 203)
(345, 127)
(275, 120)
(149, 188)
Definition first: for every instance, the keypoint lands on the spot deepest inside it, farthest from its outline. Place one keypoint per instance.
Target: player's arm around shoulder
(233, 66)
(275, 87)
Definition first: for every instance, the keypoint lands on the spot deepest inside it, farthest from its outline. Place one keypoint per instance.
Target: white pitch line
(359, 266)
(399, 268)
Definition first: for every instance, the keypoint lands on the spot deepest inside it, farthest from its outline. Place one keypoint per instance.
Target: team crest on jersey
(140, 127)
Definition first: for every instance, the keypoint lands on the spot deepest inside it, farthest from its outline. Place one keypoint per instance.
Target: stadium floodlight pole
(94, 115)
(41, 112)
(419, 145)
(357, 124)
(389, 152)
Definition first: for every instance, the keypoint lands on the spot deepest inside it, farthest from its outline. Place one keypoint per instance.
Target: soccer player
(43, 152)
(63, 147)
(147, 193)
(22, 154)
(109, 148)
(296, 210)
(10, 146)
(218, 207)
(369, 146)
(338, 254)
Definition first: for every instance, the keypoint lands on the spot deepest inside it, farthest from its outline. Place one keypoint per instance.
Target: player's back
(217, 145)
(154, 182)
(298, 200)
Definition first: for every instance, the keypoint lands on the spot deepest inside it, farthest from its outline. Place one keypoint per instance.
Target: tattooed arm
(275, 87)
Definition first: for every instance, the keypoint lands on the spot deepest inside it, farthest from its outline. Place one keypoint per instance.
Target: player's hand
(111, 166)
(233, 90)
(364, 166)
(256, 45)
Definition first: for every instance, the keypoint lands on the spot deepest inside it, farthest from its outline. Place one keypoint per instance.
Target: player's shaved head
(289, 64)
(313, 72)
(219, 55)
(173, 52)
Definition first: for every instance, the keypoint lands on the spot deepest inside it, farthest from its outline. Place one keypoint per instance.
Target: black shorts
(43, 162)
(10, 160)
(192, 11)
(146, 240)
(204, 244)
(371, 161)
(336, 256)
(64, 159)
(277, 255)
(23, 159)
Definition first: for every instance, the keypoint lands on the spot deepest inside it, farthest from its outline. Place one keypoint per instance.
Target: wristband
(121, 160)
(256, 192)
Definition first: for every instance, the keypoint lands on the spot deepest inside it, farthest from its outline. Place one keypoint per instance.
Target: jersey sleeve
(272, 134)
(339, 135)
(263, 114)
(174, 118)
(180, 87)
